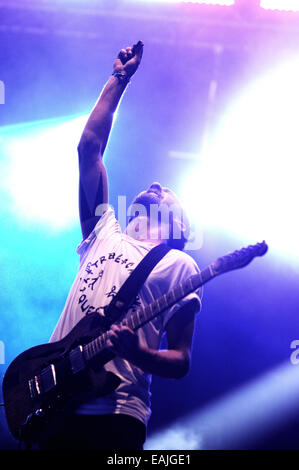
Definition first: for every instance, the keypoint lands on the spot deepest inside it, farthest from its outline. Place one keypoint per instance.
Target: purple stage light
(253, 411)
(212, 2)
(286, 5)
(205, 2)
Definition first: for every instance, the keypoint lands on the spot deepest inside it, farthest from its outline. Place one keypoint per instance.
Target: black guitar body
(41, 386)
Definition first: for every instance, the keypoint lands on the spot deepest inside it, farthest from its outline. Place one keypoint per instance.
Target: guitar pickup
(34, 387)
(48, 378)
(77, 359)
(42, 383)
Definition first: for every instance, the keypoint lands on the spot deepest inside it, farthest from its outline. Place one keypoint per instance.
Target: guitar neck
(143, 315)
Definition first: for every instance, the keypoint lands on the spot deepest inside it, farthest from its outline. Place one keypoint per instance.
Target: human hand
(128, 59)
(123, 342)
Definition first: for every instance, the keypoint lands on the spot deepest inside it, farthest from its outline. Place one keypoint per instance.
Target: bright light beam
(239, 419)
(206, 2)
(247, 181)
(39, 171)
(287, 5)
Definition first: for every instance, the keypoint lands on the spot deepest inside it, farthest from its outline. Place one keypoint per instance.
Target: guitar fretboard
(143, 315)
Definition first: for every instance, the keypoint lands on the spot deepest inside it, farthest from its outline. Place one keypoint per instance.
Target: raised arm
(93, 184)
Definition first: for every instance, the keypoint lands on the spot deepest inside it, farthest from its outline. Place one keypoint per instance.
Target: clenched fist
(128, 59)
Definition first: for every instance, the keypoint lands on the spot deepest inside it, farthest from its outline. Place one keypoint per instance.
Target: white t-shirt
(107, 257)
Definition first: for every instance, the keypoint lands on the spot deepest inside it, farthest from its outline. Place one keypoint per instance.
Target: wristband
(121, 76)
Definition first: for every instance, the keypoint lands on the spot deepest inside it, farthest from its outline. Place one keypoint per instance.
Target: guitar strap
(129, 290)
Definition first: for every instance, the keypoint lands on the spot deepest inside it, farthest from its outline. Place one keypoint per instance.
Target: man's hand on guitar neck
(170, 363)
(124, 342)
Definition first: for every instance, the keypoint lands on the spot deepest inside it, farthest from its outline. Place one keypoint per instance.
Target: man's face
(161, 204)
(156, 194)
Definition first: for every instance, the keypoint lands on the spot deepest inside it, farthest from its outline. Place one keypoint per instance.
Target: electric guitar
(45, 383)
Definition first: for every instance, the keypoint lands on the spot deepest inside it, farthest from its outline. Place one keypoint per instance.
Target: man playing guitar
(107, 256)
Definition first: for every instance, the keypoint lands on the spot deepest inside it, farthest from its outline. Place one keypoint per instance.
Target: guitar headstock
(239, 258)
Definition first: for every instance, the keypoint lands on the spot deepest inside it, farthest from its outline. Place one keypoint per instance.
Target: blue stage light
(39, 171)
